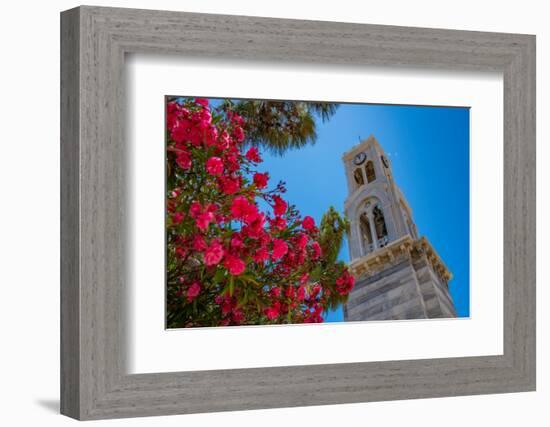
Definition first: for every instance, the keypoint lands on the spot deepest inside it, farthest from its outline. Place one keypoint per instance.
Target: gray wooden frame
(94, 41)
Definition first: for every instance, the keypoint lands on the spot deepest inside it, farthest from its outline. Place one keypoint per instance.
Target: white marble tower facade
(398, 274)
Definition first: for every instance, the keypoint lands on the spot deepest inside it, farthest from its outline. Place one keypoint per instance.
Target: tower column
(372, 230)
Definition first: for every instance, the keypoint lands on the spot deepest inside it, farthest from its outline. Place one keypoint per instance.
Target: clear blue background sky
(428, 148)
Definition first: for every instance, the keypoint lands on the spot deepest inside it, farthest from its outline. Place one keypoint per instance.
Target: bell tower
(398, 274)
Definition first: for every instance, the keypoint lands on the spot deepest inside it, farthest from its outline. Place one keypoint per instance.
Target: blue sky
(429, 152)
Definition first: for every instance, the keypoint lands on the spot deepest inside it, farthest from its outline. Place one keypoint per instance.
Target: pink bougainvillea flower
(345, 283)
(275, 292)
(173, 114)
(213, 253)
(278, 223)
(234, 265)
(302, 240)
(180, 252)
(227, 306)
(308, 223)
(316, 250)
(253, 155)
(242, 209)
(238, 134)
(202, 101)
(199, 244)
(237, 316)
(193, 291)
(235, 118)
(260, 180)
(203, 220)
(255, 220)
(195, 209)
(186, 131)
(255, 225)
(236, 242)
(260, 255)
(238, 119)
(280, 206)
(225, 303)
(273, 312)
(224, 141)
(280, 248)
(301, 257)
(205, 118)
(211, 136)
(239, 207)
(184, 160)
(177, 217)
(181, 131)
(211, 207)
(264, 240)
(232, 162)
(214, 166)
(229, 185)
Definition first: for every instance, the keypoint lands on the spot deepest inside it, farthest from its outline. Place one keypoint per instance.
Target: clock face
(385, 162)
(359, 158)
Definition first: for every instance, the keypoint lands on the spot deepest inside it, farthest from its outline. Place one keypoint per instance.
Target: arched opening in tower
(380, 226)
(358, 176)
(369, 170)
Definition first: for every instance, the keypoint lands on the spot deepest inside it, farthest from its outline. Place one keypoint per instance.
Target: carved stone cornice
(397, 251)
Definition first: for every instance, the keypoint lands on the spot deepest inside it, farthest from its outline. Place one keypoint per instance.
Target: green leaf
(249, 278)
(219, 276)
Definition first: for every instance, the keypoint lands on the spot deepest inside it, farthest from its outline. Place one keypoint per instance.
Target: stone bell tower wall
(391, 294)
(435, 292)
(406, 280)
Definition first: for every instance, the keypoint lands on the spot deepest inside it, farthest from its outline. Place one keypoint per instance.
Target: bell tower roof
(365, 144)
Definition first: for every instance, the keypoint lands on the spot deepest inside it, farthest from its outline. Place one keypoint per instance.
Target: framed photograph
(261, 213)
(238, 250)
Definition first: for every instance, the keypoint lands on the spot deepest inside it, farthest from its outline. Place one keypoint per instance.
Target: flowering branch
(229, 262)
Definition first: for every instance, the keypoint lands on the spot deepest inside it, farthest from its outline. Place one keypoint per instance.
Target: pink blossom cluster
(230, 262)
